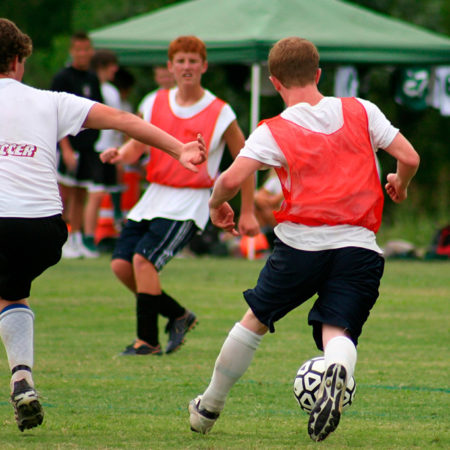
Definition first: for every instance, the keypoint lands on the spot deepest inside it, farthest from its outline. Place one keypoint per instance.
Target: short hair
(294, 61)
(12, 43)
(188, 44)
(103, 58)
(79, 36)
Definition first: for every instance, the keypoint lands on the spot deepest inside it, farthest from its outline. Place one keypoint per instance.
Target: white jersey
(32, 121)
(325, 117)
(184, 203)
(109, 138)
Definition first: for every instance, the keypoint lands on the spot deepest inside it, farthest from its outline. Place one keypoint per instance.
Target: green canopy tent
(242, 31)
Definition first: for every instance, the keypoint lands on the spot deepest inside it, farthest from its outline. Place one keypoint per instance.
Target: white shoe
(70, 250)
(87, 252)
(201, 420)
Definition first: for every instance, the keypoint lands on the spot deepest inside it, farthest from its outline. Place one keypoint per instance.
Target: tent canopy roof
(241, 31)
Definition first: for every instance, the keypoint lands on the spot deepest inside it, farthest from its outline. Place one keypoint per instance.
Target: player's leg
(91, 210)
(283, 284)
(163, 240)
(16, 332)
(233, 361)
(27, 248)
(103, 179)
(346, 297)
(340, 360)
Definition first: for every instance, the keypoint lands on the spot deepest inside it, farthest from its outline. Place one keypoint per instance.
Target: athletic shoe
(177, 328)
(201, 420)
(88, 253)
(326, 412)
(70, 250)
(28, 411)
(143, 349)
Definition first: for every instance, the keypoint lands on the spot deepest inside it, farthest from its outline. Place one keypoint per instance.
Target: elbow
(412, 161)
(229, 183)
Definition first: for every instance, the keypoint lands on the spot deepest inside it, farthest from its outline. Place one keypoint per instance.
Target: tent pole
(255, 93)
(254, 118)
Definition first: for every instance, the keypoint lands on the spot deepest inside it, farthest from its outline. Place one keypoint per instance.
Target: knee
(142, 264)
(121, 268)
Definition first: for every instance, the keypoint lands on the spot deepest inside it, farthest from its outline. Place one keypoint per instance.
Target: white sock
(77, 238)
(16, 332)
(233, 360)
(341, 350)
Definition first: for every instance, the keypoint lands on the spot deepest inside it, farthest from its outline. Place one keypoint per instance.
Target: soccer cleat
(143, 349)
(177, 328)
(326, 412)
(201, 420)
(27, 408)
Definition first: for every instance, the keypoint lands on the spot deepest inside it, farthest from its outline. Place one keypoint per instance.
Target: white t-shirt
(32, 121)
(325, 117)
(109, 138)
(184, 203)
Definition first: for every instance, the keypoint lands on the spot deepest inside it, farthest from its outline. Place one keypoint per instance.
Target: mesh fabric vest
(331, 179)
(164, 169)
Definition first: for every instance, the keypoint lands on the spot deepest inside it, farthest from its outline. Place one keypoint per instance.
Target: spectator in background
(124, 81)
(164, 79)
(77, 153)
(106, 176)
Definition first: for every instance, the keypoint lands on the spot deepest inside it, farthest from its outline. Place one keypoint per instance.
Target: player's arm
(226, 187)
(104, 117)
(407, 164)
(248, 224)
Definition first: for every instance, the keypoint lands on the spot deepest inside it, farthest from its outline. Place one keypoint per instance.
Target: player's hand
(395, 189)
(223, 217)
(70, 159)
(193, 154)
(248, 225)
(110, 156)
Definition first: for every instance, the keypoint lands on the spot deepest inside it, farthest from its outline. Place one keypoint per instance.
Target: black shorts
(345, 279)
(158, 240)
(27, 248)
(90, 173)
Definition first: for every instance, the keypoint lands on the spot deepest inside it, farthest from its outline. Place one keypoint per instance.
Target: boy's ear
(318, 74)
(276, 82)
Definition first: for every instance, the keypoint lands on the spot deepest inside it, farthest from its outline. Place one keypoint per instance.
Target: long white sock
(16, 332)
(233, 360)
(341, 350)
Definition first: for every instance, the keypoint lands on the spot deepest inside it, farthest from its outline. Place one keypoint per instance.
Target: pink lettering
(18, 150)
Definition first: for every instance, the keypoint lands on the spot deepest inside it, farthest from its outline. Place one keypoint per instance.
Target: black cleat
(326, 412)
(177, 328)
(27, 408)
(143, 349)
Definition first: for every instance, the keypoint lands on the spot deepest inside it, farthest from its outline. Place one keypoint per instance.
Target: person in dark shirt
(79, 163)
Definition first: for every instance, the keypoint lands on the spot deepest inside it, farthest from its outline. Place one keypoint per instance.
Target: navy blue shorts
(27, 248)
(157, 240)
(345, 279)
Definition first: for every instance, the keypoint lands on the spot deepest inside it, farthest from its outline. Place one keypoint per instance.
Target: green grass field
(95, 399)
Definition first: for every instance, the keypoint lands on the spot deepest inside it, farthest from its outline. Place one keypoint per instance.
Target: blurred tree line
(51, 22)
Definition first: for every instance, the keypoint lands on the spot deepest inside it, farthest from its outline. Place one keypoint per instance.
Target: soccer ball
(307, 383)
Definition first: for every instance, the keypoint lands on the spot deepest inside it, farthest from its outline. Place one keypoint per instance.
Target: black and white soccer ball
(307, 383)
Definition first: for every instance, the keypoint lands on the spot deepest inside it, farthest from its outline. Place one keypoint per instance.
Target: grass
(96, 400)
